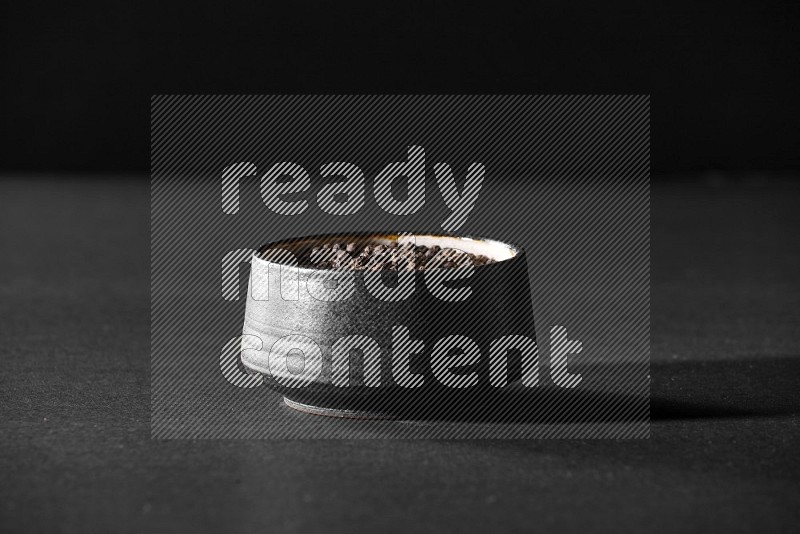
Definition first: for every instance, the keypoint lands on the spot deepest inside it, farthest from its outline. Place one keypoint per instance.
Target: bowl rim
(518, 250)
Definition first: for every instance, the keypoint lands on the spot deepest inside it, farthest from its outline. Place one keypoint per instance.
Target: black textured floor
(75, 452)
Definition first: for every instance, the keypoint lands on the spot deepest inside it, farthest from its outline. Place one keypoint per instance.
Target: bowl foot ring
(333, 412)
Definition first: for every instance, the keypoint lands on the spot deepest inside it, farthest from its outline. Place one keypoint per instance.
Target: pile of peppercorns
(390, 257)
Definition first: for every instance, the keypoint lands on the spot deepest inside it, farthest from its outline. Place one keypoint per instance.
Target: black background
(77, 78)
(76, 452)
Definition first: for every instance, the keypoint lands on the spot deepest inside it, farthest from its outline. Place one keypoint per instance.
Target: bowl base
(332, 412)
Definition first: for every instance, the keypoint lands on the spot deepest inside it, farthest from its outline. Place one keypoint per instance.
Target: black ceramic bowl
(420, 348)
